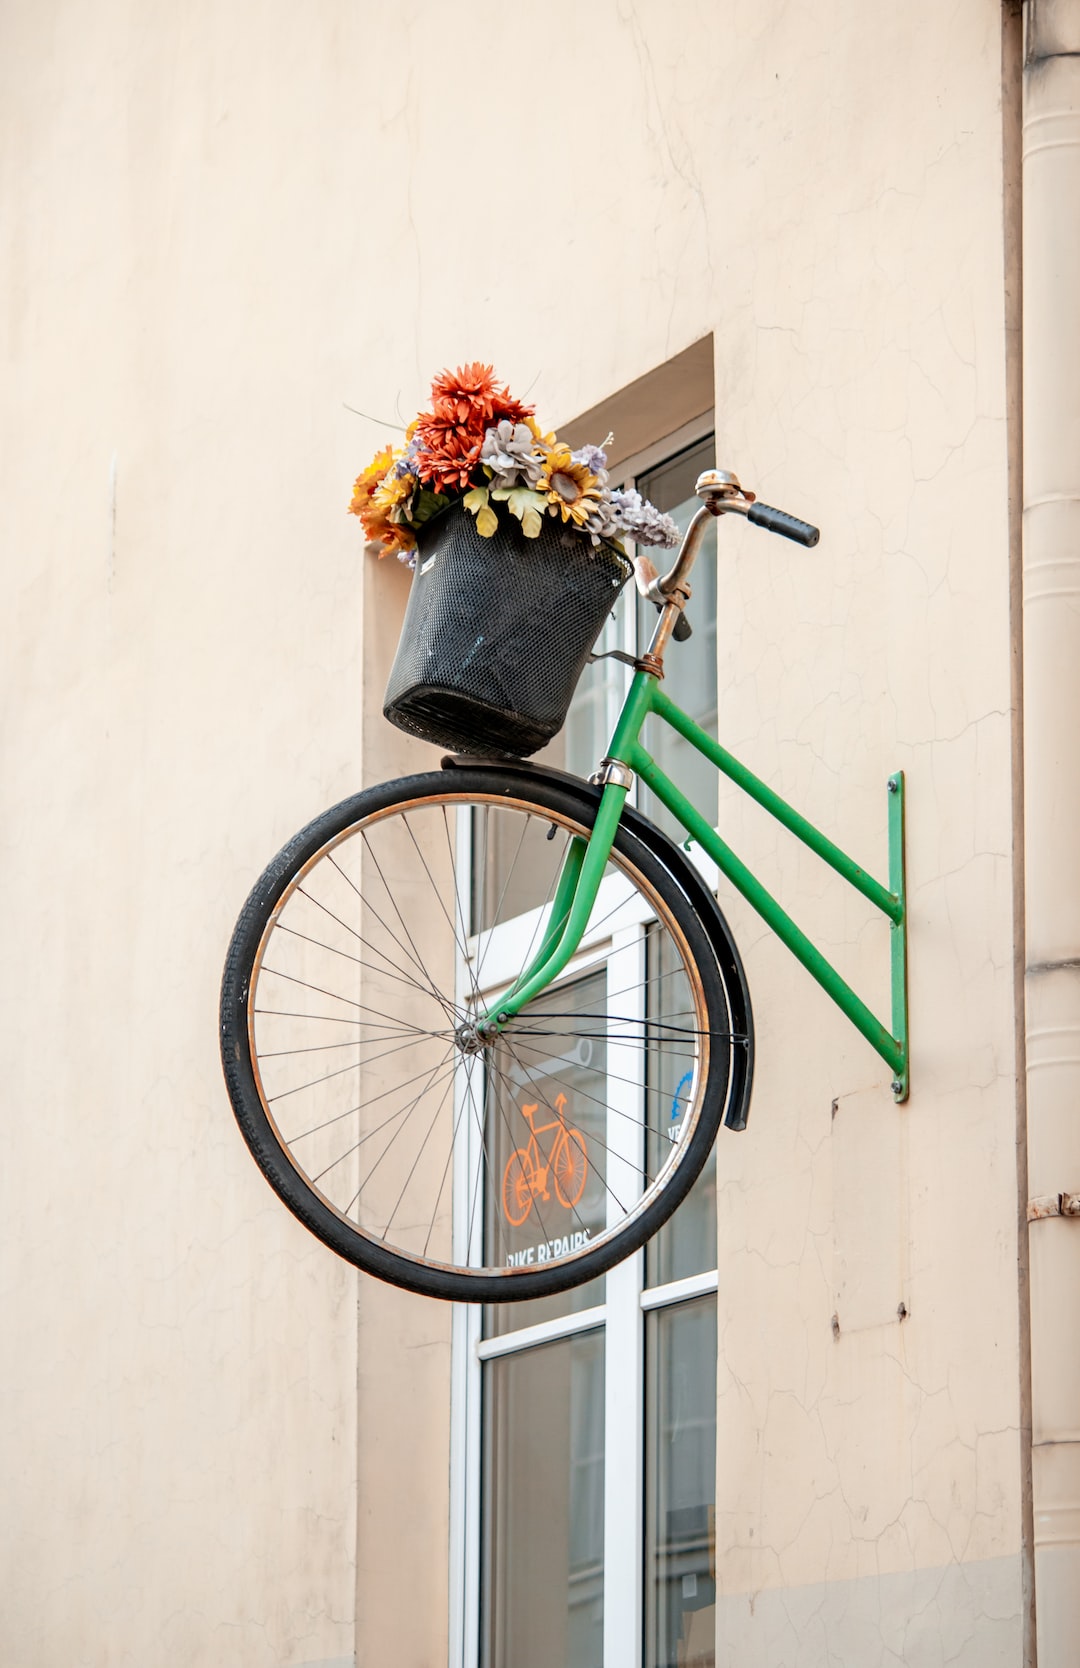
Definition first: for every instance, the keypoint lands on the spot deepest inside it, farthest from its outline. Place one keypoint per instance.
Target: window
(585, 1424)
(690, 671)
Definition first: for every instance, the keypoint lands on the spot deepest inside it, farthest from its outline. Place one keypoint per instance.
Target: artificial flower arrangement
(480, 446)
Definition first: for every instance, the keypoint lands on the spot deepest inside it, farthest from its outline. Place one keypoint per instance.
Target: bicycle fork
(579, 882)
(586, 857)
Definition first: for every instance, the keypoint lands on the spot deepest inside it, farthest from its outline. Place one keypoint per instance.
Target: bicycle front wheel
(388, 1123)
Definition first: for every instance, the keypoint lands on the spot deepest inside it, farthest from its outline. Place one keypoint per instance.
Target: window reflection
(680, 1483)
(544, 1506)
(547, 1142)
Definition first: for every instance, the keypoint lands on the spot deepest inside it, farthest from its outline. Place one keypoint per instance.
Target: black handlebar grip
(778, 521)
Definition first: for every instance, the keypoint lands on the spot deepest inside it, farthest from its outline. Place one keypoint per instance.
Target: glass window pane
(686, 1244)
(547, 1138)
(543, 1524)
(598, 696)
(680, 1486)
(690, 667)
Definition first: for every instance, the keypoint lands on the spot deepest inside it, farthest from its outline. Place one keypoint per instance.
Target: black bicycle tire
(723, 1002)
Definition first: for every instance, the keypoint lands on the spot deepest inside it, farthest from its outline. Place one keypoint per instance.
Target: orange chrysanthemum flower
(395, 538)
(473, 389)
(465, 404)
(382, 529)
(449, 451)
(373, 503)
(367, 481)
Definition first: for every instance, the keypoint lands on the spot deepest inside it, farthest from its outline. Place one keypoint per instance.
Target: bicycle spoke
(347, 1042)
(415, 955)
(402, 1112)
(510, 872)
(611, 1077)
(459, 911)
(449, 1159)
(576, 1089)
(599, 1141)
(436, 1075)
(400, 1128)
(373, 1100)
(398, 973)
(462, 947)
(416, 1030)
(343, 1019)
(497, 1180)
(483, 1167)
(542, 914)
(419, 1156)
(649, 1028)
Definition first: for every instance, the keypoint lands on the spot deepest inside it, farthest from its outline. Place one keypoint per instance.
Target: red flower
(472, 389)
(466, 403)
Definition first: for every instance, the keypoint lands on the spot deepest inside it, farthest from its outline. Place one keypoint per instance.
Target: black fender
(683, 872)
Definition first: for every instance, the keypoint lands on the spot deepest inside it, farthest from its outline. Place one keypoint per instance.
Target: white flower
(508, 451)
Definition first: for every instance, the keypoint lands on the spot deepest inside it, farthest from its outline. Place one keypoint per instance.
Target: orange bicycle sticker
(528, 1177)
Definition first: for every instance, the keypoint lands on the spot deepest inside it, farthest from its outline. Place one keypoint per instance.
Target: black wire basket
(497, 631)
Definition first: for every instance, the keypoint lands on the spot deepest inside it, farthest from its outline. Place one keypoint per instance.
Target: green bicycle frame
(586, 860)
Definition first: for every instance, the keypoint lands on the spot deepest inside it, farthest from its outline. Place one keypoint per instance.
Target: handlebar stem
(721, 495)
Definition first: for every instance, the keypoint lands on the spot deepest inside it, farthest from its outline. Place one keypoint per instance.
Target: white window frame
(627, 1298)
(625, 635)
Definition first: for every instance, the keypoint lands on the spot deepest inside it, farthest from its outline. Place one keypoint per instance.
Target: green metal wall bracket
(891, 1044)
(586, 860)
(898, 932)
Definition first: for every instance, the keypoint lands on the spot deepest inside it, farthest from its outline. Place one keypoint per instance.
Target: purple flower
(595, 460)
(406, 463)
(600, 521)
(642, 521)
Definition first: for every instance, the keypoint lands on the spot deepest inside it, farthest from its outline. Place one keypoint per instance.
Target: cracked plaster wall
(223, 224)
(181, 684)
(822, 189)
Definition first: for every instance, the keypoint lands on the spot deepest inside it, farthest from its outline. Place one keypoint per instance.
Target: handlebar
(788, 526)
(722, 495)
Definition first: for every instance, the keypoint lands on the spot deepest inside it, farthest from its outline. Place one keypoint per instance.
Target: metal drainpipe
(1051, 684)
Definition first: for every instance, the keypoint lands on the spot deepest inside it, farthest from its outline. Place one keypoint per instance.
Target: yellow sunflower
(569, 487)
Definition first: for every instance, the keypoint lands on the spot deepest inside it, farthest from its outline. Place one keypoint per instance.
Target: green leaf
(426, 504)
(527, 505)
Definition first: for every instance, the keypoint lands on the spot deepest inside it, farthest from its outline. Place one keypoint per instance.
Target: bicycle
(527, 1177)
(429, 951)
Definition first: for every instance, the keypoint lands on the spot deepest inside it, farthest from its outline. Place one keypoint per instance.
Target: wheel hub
(472, 1038)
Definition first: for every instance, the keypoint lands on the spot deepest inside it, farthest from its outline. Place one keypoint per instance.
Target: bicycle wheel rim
(388, 855)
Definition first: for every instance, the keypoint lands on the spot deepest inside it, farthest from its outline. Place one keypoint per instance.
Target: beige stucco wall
(221, 225)
(182, 689)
